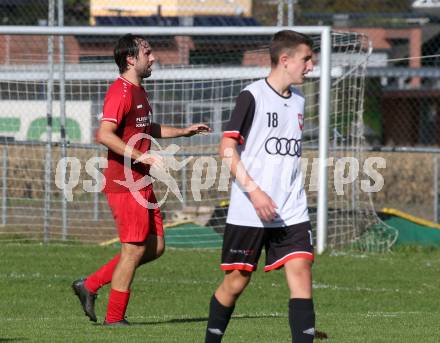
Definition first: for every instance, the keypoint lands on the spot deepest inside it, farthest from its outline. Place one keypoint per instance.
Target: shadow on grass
(199, 319)
(17, 339)
(318, 335)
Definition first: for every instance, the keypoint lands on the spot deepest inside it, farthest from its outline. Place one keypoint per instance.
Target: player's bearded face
(145, 60)
(147, 72)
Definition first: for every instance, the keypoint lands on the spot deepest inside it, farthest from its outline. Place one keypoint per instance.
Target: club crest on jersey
(300, 121)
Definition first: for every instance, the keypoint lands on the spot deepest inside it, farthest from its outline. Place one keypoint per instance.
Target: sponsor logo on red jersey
(300, 121)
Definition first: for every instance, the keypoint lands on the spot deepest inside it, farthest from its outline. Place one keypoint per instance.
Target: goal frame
(324, 82)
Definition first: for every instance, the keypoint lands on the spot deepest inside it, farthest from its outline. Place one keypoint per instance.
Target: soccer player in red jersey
(126, 114)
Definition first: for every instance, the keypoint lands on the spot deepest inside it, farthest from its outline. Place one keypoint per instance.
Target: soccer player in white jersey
(268, 206)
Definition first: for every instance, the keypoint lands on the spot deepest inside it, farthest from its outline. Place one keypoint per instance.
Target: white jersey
(269, 127)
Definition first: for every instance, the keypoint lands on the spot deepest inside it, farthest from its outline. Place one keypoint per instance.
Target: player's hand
(264, 205)
(197, 129)
(152, 159)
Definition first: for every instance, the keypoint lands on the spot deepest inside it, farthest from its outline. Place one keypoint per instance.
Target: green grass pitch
(363, 298)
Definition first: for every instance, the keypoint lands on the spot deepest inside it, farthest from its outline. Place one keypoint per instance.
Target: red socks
(118, 300)
(117, 305)
(102, 276)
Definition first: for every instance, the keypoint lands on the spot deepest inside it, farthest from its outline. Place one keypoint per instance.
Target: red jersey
(126, 105)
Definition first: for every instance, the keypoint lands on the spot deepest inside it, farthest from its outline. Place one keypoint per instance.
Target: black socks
(302, 320)
(218, 320)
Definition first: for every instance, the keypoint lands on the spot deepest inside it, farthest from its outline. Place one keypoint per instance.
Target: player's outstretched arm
(106, 135)
(263, 204)
(163, 131)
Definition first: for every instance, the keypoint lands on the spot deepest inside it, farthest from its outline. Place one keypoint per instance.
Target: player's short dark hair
(286, 40)
(126, 46)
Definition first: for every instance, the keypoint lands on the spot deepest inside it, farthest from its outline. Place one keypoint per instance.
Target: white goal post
(336, 91)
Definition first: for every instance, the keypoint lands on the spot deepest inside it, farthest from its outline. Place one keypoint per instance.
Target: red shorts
(133, 221)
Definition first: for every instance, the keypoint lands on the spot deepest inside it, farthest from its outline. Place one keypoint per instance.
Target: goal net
(50, 108)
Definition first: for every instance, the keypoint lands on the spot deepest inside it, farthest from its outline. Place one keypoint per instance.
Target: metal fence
(402, 92)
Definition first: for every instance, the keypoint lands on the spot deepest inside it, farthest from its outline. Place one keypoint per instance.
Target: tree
(28, 12)
(76, 12)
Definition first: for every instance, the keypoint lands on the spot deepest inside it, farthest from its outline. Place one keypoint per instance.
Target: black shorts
(242, 246)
